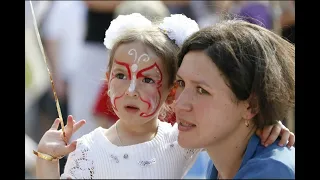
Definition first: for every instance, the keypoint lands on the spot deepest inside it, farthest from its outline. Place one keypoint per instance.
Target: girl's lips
(131, 109)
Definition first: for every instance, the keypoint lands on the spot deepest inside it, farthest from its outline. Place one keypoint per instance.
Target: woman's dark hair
(257, 64)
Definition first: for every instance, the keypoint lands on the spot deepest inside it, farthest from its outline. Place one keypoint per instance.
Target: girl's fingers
(69, 127)
(266, 131)
(273, 135)
(55, 124)
(70, 147)
(78, 125)
(291, 140)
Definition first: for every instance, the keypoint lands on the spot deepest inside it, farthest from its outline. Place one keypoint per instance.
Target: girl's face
(205, 106)
(138, 83)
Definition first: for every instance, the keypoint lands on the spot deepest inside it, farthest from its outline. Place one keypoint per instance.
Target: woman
(234, 78)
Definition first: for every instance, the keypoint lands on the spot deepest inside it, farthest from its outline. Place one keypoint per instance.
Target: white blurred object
(65, 24)
(39, 7)
(39, 75)
(40, 78)
(149, 9)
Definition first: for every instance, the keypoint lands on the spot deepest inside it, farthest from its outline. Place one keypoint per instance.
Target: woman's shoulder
(276, 162)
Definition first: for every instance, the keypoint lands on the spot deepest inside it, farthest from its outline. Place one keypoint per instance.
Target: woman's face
(206, 109)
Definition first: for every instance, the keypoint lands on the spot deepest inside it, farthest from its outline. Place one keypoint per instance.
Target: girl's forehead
(136, 53)
(134, 50)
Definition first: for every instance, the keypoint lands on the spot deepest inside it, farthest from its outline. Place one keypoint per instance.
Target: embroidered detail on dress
(126, 156)
(147, 163)
(114, 158)
(82, 164)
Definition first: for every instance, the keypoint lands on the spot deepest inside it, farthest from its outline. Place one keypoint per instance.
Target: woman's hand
(53, 143)
(270, 133)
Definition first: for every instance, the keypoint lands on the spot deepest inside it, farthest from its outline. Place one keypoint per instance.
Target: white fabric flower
(121, 24)
(178, 27)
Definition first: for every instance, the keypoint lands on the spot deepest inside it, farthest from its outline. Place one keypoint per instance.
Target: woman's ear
(251, 107)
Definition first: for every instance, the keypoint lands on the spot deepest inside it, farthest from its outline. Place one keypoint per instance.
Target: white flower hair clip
(178, 27)
(121, 24)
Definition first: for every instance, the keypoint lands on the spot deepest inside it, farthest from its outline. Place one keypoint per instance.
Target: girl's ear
(171, 95)
(107, 76)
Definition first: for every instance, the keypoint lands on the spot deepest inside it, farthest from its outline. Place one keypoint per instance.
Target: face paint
(134, 67)
(113, 98)
(154, 104)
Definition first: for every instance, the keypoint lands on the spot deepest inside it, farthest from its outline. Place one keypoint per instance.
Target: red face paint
(158, 83)
(140, 75)
(126, 65)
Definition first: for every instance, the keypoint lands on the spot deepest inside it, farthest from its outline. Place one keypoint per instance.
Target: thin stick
(45, 60)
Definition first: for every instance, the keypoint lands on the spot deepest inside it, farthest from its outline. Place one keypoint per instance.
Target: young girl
(141, 73)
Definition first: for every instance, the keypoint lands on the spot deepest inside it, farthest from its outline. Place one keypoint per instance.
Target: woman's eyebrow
(195, 81)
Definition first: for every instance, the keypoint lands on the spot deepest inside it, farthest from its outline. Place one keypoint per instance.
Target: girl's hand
(53, 143)
(270, 133)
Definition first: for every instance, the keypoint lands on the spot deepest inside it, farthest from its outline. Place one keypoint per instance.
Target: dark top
(97, 24)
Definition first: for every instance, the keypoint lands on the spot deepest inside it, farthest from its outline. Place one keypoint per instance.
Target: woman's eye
(200, 90)
(148, 80)
(180, 83)
(121, 76)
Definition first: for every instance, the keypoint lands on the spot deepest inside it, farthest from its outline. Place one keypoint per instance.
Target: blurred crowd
(72, 34)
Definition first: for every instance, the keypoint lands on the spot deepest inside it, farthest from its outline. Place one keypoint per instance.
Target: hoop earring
(108, 92)
(246, 122)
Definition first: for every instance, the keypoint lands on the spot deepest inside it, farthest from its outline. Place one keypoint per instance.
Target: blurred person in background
(89, 72)
(62, 34)
(36, 79)
(30, 159)
(256, 12)
(180, 7)
(287, 20)
(206, 12)
(287, 24)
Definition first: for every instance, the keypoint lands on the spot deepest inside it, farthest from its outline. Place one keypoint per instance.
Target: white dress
(97, 158)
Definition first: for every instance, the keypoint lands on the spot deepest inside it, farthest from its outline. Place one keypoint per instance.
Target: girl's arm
(270, 133)
(53, 145)
(47, 169)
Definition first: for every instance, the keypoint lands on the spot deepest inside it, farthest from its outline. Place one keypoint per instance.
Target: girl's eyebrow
(119, 68)
(150, 74)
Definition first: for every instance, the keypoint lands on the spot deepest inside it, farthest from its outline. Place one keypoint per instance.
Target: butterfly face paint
(140, 75)
(134, 67)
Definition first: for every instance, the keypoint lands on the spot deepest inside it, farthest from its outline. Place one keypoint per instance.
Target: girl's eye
(180, 83)
(148, 80)
(121, 76)
(200, 90)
